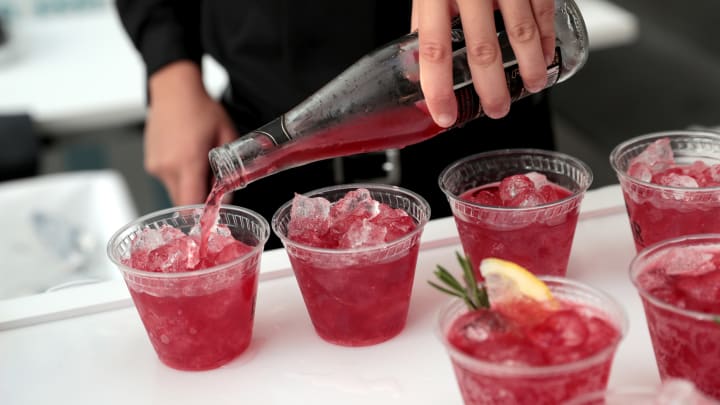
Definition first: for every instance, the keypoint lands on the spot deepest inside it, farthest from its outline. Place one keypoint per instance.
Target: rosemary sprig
(475, 296)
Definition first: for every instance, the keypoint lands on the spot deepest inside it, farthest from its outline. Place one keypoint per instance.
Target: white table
(80, 71)
(95, 350)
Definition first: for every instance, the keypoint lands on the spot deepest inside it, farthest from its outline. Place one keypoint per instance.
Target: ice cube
(538, 179)
(396, 221)
(563, 329)
(658, 155)
(485, 197)
(672, 179)
(350, 203)
(641, 171)
(711, 176)
(549, 193)
(690, 261)
(231, 251)
(526, 199)
(512, 186)
(308, 215)
(177, 255)
(362, 233)
(479, 326)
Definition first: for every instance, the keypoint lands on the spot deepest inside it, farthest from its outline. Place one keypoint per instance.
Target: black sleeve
(163, 31)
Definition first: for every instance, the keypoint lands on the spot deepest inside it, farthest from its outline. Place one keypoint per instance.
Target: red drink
(679, 284)
(501, 212)
(524, 353)
(671, 184)
(397, 128)
(354, 259)
(196, 308)
(542, 242)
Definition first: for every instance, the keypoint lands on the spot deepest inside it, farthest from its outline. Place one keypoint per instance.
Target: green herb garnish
(475, 296)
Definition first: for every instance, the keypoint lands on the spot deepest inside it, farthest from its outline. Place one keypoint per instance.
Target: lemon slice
(508, 281)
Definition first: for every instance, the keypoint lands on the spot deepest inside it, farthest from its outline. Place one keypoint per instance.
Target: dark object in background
(19, 147)
(3, 34)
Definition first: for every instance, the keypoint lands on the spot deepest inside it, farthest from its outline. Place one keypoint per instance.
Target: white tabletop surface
(86, 345)
(80, 72)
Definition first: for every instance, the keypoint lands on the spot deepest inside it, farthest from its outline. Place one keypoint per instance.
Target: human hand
(530, 27)
(183, 124)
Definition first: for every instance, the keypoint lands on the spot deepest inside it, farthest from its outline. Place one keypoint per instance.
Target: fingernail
(548, 59)
(499, 112)
(445, 120)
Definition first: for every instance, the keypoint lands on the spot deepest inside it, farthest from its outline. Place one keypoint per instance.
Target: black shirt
(278, 52)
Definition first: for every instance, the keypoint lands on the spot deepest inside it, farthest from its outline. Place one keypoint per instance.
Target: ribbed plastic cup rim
(491, 368)
(659, 247)
(132, 226)
(529, 151)
(349, 187)
(685, 133)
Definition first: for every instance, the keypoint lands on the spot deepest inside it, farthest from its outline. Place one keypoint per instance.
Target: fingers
(484, 58)
(524, 35)
(544, 11)
(435, 53)
(530, 28)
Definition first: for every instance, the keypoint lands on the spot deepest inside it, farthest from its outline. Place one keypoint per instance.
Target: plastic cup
(484, 382)
(357, 297)
(686, 343)
(660, 212)
(196, 320)
(538, 238)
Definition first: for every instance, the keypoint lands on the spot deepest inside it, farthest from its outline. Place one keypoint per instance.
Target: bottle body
(377, 104)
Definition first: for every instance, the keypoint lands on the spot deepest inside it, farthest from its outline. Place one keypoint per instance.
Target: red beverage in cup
(679, 283)
(671, 184)
(520, 205)
(197, 309)
(353, 249)
(525, 352)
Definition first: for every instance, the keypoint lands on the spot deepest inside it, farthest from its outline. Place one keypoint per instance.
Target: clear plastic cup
(686, 342)
(196, 320)
(659, 212)
(538, 238)
(361, 296)
(483, 382)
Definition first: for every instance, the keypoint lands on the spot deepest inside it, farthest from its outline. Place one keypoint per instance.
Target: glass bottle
(377, 104)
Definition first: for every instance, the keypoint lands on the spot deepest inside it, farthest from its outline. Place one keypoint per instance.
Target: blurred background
(72, 108)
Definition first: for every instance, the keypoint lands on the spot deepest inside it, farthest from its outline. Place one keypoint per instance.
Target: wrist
(178, 79)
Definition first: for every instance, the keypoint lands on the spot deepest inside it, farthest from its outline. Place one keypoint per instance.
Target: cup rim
(125, 229)
(499, 152)
(529, 370)
(352, 186)
(655, 249)
(622, 174)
